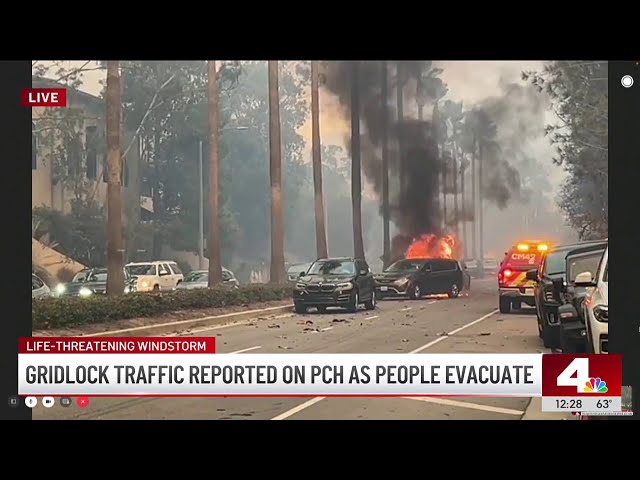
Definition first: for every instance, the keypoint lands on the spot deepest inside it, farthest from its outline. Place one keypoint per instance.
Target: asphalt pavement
(468, 324)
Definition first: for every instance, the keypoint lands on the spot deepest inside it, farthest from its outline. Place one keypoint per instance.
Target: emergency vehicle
(513, 285)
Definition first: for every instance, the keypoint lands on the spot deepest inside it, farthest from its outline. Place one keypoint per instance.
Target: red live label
(43, 97)
(565, 375)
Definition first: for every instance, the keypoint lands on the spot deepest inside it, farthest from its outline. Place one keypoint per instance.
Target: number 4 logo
(577, 375)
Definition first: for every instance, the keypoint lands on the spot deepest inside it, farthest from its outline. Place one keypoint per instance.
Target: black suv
(550, 279)
(335, 282)
(421, 276)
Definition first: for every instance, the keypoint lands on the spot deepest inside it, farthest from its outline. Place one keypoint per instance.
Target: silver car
(200, 279)
(39, 289)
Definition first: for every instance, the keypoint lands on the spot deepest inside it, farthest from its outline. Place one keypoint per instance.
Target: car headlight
(301, 286)
(344, 286)
(85, 292)
(601, 312)
(401, 281)
(144, 284)
(60, 289)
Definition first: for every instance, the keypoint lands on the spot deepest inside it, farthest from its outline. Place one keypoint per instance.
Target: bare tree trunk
(115, 252)
(474, 249)
(445, 166)
(455, 170)
(400, 110)
(356, 180)
(480, 212)
(464, 219)
(277, 274)
(213, 240)
(321, 236)
(386, 242)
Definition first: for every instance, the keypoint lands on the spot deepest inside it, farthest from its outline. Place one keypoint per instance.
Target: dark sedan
(93, 282)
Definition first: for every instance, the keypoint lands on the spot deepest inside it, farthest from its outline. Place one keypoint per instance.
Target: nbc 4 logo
(577, 375)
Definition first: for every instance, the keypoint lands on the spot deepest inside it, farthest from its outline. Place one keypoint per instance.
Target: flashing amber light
(543, 247)
(523, 247)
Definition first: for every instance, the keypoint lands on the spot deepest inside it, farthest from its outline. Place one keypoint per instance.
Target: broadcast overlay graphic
(179, 367)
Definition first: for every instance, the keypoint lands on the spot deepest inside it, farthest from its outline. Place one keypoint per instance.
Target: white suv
(596, 306)
(155, 276)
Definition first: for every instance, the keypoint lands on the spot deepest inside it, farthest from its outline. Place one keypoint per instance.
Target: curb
(175, 327)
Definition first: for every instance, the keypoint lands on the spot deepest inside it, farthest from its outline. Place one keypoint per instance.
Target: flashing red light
(507, 273)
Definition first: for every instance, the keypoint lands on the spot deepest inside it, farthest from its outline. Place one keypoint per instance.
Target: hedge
(73, 311)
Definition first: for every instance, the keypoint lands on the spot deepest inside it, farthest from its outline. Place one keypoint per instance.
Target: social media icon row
(49, 402)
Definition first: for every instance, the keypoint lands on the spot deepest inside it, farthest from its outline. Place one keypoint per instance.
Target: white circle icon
(627, 81)
(31, 402)
(48, 402)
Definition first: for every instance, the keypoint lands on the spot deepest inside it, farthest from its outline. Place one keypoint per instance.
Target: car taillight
(504, 275)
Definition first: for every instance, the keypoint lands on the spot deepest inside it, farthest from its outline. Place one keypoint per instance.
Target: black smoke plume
(414, 206)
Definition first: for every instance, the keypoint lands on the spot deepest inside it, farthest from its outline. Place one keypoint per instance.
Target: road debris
(405, 340)
(282, 337)
(405, 324)
(339, 320)
(484, 334)
(274, 325)
(284, 348)
(309, 322)
(443, 334)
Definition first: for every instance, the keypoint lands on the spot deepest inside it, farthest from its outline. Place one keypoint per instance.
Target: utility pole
(201, 211)
(474, 249)
(400, 109)
(480, 213)
(115, 250)
(213, 240)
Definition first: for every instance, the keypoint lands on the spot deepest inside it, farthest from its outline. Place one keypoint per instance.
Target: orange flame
(431, 246)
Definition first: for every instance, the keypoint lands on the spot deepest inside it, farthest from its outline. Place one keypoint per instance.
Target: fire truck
(514, 288)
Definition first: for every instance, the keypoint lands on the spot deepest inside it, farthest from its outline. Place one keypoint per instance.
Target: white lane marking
(299, 408)
(432, 302)
(315, 400)
(452, 332)
(405, 309)
(245, 350)
(472, 406)
(325, 329)
(372, 317)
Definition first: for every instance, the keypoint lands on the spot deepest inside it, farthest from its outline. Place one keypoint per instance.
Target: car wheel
(505, 305)
(156, 288)
(516, 305)
(355, 301)
(454, 291)
(371, 304)
(322, 309)
(299, 308)
(566, 344)
(414, 292)
(589, 347)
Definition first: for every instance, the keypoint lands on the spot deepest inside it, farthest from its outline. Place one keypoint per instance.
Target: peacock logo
(595, 385)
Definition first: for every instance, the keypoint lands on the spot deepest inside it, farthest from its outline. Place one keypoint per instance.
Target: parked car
(345, 282)
(572, 297)
(155, 276)
(294, 271)
(39, 289)
(200, 279)
(414, 278)
(93, 281)
(596, 305)
(546, 294)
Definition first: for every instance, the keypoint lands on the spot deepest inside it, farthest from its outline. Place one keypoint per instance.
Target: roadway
(468, 324)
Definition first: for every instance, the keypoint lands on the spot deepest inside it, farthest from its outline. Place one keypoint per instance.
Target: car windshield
(333, 267)
(584, 263)
(144, 269)
(406, 266)
(79, 277)
(197, 277)
(555, 263)
(298, 268)
(96, 276)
